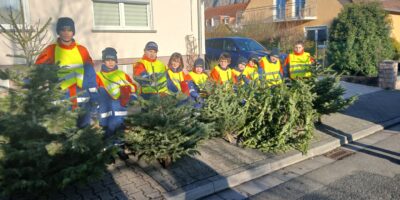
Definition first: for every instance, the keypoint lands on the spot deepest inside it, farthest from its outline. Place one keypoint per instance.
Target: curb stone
(218, 183)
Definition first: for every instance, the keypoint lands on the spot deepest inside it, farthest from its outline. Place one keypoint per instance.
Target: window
(122, 15)
(228, 45)
(319, 34)
(17, 7)
(226, 20)
(299, 8)
(280, 9)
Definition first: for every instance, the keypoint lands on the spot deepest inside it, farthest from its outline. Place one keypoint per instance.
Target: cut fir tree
(166, 129)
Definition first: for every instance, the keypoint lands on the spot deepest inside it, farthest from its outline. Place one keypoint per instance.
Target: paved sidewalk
(221, 165)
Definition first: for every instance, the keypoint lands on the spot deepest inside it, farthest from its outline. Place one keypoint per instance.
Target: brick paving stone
(130, 188)
(105, 195)
(137, 196)
(113, 188)
(123, 181)
(98, 187)
(120, 196)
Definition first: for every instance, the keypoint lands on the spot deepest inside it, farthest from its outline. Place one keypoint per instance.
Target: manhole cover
(338, 153)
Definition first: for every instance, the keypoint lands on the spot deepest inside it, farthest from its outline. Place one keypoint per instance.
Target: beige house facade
(126, 25)
(312, 16)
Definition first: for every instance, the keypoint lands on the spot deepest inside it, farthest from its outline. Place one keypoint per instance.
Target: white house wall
(172, 21)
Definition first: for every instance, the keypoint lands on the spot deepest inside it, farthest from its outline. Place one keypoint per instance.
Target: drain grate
(338, 153)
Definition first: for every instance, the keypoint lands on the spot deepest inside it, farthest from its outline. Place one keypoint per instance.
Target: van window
(214, 44)
(229, 45)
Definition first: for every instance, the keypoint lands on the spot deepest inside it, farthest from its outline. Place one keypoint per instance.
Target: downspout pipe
(200, 26)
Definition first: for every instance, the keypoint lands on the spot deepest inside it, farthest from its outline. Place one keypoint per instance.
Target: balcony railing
(294, 12)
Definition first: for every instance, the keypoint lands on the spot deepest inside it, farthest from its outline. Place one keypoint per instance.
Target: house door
(280, 9)
(299, 8)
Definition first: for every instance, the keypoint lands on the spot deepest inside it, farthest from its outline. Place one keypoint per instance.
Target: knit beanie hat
(65, 22)
(151, 46)
(199, 62)
(109, 53)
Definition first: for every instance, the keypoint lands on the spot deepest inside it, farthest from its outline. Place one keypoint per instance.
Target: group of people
(112, 89)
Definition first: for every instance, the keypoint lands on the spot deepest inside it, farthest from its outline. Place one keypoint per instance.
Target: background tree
(359, 39)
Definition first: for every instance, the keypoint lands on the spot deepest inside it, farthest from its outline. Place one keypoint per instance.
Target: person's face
(298, 48)
(66, 34)
(241, 66)
(152, 54)
(110, 63)
(198, 70)
(251, 63)
(175, 63)
(274, 59)
(223, 63)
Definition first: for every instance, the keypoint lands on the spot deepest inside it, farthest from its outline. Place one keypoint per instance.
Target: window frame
(316, 28)
(25, 12)
(121, 9)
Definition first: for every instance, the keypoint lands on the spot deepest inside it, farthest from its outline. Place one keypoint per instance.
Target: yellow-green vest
(224, 75)
(198, 79)
(272, 72)
(71, 63)
(113, 81)
(176, 78)
(251, 72)
(299, 66)
(158, 68)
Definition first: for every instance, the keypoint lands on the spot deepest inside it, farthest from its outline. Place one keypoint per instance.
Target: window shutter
(136, 15)
(106, 14)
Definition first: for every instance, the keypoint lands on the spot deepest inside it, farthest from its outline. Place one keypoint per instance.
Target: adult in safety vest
(221, 73)
(299, 62)
(271, 69)
(116, 90)
(77, 75)
(176, 79)
(151, 72)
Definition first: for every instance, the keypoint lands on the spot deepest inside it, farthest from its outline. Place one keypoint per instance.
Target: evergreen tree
(360, 38)
(41, 149)
(279, 118)
(165, 129)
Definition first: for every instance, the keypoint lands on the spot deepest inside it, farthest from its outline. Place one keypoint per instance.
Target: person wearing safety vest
(198, 76)
(151, 72)
(221, 73)
(116, 90)
(239, 73)
(251, 70)
(299, 62)
(176, 79)
(271, 69)
(77, 74)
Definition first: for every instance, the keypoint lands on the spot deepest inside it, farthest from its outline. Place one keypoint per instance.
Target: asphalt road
(372, 172)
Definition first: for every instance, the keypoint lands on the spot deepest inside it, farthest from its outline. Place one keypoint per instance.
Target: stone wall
(388, 70)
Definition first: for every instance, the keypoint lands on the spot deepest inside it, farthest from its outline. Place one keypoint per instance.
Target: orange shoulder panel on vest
(85, 55)
(47, 55)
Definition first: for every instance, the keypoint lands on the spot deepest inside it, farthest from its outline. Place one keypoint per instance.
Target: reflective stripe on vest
(198, 79)
(113, 81)
(224, 75)
(299, 66)
(71, 63)
(272, 72)
(156, 67)
(176, 78)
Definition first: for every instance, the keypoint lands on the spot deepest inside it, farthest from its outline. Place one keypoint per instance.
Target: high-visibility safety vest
(159, 69)
(176, 78)
(198, 79)
(271, 72)
(299, 66)
(251, 72)
(71, 63)
(113, 81)
(224, 75)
